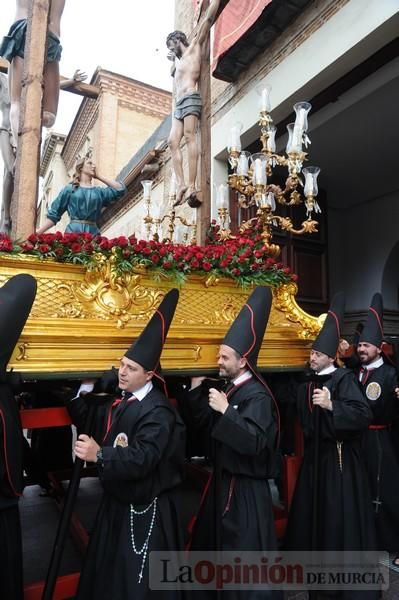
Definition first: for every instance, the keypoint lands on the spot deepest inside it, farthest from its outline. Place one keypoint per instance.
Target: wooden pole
(29, 135)
(204, 85)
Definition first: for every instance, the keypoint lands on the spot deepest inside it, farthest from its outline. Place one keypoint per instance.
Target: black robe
(149, 467)
(345, 515)
(11, 485)
(381, 461)
(241, 443)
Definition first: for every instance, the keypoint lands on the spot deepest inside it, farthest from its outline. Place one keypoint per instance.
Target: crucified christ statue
(188, 104)
(12, 49)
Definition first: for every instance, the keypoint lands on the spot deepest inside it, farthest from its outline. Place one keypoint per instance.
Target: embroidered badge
(373, 390)
(121, 440)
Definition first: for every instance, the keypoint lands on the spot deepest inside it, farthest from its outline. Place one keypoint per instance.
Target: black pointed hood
(147, 348)
(246, 333)
(357, 334)
(373, 332)
(16, 299)
(329, 335)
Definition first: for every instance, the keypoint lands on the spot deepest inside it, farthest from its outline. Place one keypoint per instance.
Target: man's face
(230, 363)
(319, 361)
(368, 353)
(132, 376)
(174, 46)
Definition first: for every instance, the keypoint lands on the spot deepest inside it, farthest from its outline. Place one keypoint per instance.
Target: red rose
(76, 247)
(27, 246)
(294, 277)
(155, 259)
(206, 266)
(44, 248)
(122, 241)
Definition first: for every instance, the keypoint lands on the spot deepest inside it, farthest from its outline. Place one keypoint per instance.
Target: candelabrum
(179, 229)
(251, 174)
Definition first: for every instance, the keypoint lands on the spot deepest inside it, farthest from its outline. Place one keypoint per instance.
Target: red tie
(364, 373)
(126, 397)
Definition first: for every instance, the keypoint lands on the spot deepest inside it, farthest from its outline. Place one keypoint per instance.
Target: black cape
(381, 461)
(11, 449)
(11, 486)
(149, 466)
(345, 514)
(244, 440)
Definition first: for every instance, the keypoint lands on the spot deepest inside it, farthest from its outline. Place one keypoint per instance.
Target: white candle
(300, 120)
(235, 139)
(222, 198)
(296, 142)
(265, 99)
(242, 168)
(260, 173)
(271, 142)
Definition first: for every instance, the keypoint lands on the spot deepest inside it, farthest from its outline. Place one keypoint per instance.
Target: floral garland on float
(244, 259)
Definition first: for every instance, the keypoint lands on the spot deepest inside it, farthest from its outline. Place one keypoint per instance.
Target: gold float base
(83, 321)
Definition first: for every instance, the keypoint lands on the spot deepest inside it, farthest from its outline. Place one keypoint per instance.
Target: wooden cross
(24, 203)
(204, 87)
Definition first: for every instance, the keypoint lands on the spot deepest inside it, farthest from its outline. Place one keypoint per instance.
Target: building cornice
(50, 145)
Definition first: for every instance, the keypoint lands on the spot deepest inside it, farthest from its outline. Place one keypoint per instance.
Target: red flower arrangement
(244, 258)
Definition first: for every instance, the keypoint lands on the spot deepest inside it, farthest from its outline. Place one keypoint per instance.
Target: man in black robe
(344, 519)
(140, 454)
(16, 299)
(241, 425)
(379, 381)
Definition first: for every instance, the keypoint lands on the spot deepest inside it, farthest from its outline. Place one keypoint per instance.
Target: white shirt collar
(327, 370)
(141, 393)
(241, 378)
(378, 362)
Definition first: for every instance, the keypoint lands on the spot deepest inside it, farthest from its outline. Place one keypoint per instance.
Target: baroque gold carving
(78, 323)
(107, 294)
(284, 300)
(21, 349)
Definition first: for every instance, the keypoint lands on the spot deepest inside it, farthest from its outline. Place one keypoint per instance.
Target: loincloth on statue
(191, 104)
(13, 43)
